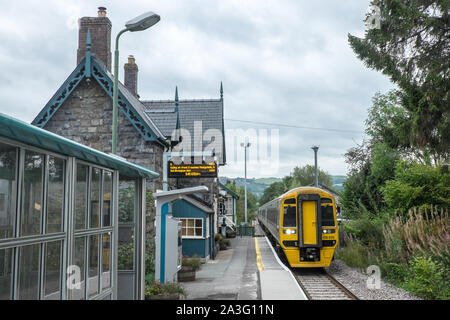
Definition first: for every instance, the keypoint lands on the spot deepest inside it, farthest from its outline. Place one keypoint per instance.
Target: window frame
(68, 234)
(186, 227)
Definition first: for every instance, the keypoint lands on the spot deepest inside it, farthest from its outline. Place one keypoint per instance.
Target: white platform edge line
(285, 268)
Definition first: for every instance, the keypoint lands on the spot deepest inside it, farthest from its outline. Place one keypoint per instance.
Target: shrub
(416, 185)
(164, 289)
(355, 254)
(224, 244)
(193, 262)
(424, 231)
(427, 279)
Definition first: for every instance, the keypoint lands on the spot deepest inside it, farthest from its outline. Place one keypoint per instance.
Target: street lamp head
(142, 22)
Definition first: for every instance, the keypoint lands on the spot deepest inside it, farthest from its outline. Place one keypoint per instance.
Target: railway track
(319, 285)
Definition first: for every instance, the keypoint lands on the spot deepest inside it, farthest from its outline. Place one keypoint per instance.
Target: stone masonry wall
(86, 117)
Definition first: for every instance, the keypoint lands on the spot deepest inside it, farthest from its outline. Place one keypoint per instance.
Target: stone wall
(86, 117)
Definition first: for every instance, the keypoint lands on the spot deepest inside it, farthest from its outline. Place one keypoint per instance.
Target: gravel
(356, 281)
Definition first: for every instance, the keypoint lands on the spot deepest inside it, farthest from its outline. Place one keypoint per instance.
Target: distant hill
(338, 182)
(257, 186)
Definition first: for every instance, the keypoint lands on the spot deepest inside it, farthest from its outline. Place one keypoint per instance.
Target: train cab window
(327, 216)
(289, 217)
(325, 200)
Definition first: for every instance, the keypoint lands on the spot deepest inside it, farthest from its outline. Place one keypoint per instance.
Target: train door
(309, 222)
(310, 230)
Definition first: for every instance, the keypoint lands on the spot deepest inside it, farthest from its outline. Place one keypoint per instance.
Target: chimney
(100, 27)
(131, 75)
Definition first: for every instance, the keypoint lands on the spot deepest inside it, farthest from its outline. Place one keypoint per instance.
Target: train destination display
(203, 170)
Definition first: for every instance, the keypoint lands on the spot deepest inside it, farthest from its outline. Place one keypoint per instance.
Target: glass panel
(183, 223)
(190, 222)
(289, 217)
(190, 232)
(6, 256)
(184, 232)
(126, 248)
(198, 232)
(107, 196)
(127, 196)
(95, 198)
(53, 270)
(81, 196)
(79, 257)
(327, 216)
(32, 193)
(55, 202)
(29, 272)
(8, 157)
(198, 222)
(106, 261)
(93, 266)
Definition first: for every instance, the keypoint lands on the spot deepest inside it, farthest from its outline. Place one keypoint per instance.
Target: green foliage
(372, 164)
(368, 229)
(125, 256)
(411, 47)
(427, 279)
(252, 205)
(417, 185)
(193, 262)
(164, 289)
(300, 176)
(355, 254)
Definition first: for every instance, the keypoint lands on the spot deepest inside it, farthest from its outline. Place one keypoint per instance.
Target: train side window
(289, 217)
(325, 200)
(327, 216)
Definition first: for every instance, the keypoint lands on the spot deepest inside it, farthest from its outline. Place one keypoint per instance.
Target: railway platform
(248, 270)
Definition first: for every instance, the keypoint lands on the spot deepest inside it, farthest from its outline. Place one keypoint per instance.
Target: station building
(81, 110)
(72, 218)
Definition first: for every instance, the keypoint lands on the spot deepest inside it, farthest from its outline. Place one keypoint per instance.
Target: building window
(191, 228)
(8, 184)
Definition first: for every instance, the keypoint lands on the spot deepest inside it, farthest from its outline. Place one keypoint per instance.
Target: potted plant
(164, 291)
(189, 266)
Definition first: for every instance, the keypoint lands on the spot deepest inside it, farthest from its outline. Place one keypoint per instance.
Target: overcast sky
(281, 62)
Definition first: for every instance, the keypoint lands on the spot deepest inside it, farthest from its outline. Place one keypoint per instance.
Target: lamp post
(316, 175)
(245, 146)
(142, 22)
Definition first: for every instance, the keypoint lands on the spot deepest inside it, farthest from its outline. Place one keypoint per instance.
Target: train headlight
(328, 231)
(289, 231)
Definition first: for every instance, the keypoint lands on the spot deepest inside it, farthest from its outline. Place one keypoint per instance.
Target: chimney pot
(131, 75)
(100, 29)
(101, 11)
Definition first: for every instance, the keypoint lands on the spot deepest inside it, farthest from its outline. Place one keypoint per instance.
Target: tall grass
(424, 231)
(412, 250)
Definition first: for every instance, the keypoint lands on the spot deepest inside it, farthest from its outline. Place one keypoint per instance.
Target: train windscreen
(289, 217)
(327, 216)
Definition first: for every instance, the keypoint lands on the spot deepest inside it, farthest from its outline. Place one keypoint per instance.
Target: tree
(252, 206)
(412, 47)
(301, 176)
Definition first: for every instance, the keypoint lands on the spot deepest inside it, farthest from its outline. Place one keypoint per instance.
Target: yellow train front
(303, 224)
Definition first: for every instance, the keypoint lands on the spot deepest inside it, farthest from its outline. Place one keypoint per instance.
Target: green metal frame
(23, 132)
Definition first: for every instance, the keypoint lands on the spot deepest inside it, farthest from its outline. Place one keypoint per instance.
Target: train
(302, 224)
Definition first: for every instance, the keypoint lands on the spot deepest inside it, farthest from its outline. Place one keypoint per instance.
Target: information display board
(203, 170)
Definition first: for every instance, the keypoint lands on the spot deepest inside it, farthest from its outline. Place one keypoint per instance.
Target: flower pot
(186, 274)
(173, 296)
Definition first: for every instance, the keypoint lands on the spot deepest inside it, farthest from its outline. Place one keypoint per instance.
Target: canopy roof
(23, 132)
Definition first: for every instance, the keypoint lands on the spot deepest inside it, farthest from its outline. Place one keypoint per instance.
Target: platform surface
(249, 270)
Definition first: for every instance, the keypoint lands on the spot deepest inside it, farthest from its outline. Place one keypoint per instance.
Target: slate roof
(208, 111)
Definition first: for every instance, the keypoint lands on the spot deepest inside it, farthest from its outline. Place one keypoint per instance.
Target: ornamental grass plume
(425, 230)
